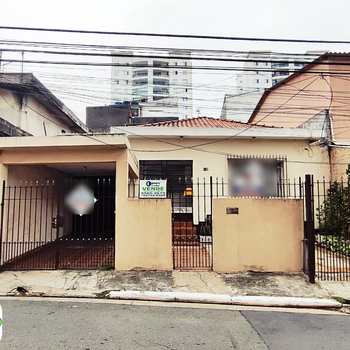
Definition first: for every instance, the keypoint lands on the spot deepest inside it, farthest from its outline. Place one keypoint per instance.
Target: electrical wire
(168, 35)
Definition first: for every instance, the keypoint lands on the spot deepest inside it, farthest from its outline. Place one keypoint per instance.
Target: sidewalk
(99, 283)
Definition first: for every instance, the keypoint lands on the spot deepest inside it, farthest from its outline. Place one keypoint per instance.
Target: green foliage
(335, 244)
(334, 214)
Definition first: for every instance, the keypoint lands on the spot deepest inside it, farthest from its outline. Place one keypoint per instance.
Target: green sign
(152, 188)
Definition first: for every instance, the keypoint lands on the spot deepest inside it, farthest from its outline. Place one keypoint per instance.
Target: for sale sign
(152, 188)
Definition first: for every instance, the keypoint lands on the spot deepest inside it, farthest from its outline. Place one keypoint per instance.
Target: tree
(334, 213)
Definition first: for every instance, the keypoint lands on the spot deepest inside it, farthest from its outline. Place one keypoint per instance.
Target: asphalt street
(93, 326)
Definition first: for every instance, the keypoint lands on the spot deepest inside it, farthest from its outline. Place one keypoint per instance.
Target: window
(160, 82)
(140, 73)
(255, 177)
(174, 170)
(140, 82)
(257, 72)
(141, 63)
(267, 81)
(160, 64)
(176, 72)
(127, 82)
(159, 90)
(117, 81)
(157, 98)
(186, 90)
(257, 81)
(160, 73)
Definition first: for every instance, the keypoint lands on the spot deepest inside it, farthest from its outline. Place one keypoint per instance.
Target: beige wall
(266, 235)
(144, 238)
(340, 158)
(301, 157)
(297, 100)
(29, 116)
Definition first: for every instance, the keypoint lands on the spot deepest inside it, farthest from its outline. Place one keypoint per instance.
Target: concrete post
(121, 196)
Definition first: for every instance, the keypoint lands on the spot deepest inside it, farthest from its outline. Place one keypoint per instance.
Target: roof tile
(203, 122)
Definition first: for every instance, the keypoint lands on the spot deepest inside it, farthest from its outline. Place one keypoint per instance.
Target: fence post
(57, 253)
(309, 228)
(2, 217)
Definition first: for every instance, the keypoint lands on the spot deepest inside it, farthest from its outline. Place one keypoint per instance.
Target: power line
(212, 68)
(145, 48)
(171, 57)
(168, 35)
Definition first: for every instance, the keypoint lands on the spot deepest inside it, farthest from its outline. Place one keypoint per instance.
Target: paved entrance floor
(66, 254)
(97, 283)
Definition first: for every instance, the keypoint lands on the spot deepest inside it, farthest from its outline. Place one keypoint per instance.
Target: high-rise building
(162, 85)
(261, 71)
(262, 75)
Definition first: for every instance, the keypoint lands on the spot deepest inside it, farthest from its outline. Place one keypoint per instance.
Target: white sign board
(152, 188)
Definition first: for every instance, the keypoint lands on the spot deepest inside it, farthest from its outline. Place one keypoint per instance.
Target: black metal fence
(37, 231)
(329, 226)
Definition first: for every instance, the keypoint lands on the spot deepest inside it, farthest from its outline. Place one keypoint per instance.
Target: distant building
(240, 106)
(263, 75)
(102, 118)
(27, 107)
(154, 81)
(258, 76)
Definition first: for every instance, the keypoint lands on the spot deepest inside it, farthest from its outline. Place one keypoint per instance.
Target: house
(27, 107)
(233, 199)
(202, 147)
(319, 89)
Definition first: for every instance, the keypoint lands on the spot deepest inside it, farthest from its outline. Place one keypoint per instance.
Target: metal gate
(192, 224)
(327, 230)
(38, 232)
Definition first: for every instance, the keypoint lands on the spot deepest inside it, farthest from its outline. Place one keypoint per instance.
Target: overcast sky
(314, 19)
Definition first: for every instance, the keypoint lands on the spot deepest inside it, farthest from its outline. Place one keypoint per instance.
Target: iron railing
(38, 231)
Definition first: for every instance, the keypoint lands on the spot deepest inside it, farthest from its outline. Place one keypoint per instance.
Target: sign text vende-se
(153, 188)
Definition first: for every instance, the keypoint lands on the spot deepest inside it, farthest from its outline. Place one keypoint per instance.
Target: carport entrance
(40, 232)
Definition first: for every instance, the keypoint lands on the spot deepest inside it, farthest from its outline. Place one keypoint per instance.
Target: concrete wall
(144, 240)
(340, 159)
(29, 115)
(266, 235)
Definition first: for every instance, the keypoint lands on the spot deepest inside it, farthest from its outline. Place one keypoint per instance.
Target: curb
(244, 300)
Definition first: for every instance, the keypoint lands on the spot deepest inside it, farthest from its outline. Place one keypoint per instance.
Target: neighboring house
(202, 147)
(154, 82)
(27, 107)
(320, 88)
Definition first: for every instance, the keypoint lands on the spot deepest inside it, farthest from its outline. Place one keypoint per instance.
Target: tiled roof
(203, 122)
